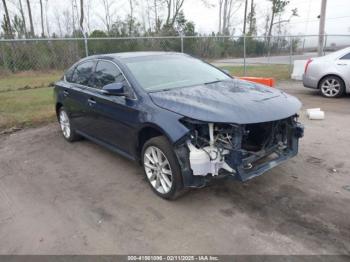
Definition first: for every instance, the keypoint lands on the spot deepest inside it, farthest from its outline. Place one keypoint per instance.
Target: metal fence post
(182, 43)
(244, 56)
(325, 44)
(268, 48)
(290, 55)
(86, 45)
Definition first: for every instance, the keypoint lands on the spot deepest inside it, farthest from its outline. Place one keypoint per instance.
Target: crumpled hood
(234, 101)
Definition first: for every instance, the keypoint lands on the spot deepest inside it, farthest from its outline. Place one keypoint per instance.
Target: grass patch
(28, 80)
(26, 108)
(279, 72)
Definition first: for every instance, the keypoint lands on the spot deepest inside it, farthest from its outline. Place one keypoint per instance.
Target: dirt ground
(61, 198)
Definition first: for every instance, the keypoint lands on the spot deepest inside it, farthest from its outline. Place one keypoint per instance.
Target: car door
(112, 119)
(73, 92)
(343, 67)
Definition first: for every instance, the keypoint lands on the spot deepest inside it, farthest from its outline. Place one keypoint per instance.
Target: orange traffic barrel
(261, 80)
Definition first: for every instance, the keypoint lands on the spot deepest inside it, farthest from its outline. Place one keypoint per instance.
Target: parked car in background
(330, 73)
(184, 120)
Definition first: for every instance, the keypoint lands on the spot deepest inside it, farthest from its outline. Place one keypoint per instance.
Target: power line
(316, 20)
(302, 2)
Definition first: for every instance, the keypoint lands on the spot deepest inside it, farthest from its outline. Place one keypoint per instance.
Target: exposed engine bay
(244, 151)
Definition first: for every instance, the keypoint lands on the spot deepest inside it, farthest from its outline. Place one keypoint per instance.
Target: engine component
(209, 159)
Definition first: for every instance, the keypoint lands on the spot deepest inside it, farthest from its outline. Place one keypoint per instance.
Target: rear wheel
(332, 86)
(67, 129)
(161, 168)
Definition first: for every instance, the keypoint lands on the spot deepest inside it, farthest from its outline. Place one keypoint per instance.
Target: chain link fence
(244, 53)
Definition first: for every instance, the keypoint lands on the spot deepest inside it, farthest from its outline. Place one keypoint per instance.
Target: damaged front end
(243, 151)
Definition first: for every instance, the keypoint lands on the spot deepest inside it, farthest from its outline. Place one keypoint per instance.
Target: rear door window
(83, 73)
(107, 73)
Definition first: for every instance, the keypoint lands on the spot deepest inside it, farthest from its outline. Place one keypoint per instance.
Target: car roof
(338, 53)
(142, 54)
(131, 55)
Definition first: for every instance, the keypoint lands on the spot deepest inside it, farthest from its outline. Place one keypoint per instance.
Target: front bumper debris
(242, 165)
(255, 165)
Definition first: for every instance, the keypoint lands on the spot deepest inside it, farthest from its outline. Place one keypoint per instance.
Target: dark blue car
(184, 120)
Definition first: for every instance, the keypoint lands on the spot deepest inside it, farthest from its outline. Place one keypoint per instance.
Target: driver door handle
(91, 101)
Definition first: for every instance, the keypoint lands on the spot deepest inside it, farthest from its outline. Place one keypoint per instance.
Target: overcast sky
(206, 18)
(338, 16)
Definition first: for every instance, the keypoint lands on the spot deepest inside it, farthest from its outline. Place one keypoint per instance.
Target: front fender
(167, 123)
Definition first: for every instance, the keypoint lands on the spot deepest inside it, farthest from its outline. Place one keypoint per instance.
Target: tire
(332, 87)
(68, 130)
(159, 174)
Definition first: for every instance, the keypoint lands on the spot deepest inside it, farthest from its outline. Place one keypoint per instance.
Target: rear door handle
(65, 93)
(91, 101)
(342, 64)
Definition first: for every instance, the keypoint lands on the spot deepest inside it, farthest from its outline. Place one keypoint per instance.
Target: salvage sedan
(184, 120)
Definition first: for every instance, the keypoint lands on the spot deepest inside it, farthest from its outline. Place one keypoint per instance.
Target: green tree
(252, 20)
(19, 26)
(6, 24)
(6, 28)
(98, 33)
(183, 26)
(278, 7)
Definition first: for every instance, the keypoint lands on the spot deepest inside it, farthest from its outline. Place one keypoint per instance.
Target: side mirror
(114, 89)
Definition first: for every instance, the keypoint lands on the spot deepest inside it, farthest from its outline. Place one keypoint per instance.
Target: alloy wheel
(64, 123)
(158, 170)
(331, 87)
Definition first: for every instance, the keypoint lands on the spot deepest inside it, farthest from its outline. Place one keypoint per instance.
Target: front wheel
(161, 168)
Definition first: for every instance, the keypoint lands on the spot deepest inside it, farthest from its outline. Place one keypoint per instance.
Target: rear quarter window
(69, 73)
(346, 57)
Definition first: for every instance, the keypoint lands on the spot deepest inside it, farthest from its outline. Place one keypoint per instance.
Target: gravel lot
(61, 198)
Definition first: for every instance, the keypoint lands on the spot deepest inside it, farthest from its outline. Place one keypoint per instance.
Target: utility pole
(321, 28)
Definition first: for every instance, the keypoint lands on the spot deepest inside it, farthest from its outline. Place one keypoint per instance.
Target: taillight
(307, 64)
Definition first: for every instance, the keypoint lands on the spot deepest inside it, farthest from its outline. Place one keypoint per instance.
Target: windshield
(155, 73)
